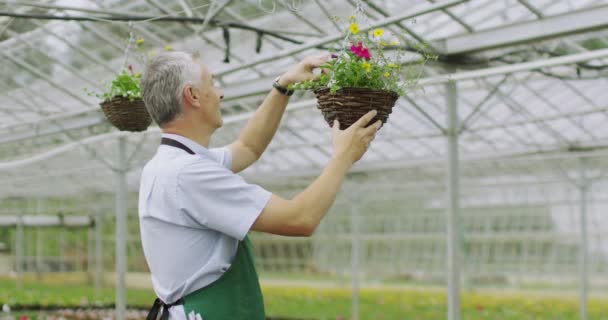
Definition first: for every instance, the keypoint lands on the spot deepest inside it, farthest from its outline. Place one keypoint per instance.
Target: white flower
(6, 308)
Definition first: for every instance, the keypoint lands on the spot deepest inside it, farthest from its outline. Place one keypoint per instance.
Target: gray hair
(163, 82)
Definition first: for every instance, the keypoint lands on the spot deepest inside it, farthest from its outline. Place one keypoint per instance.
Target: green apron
(236, 295)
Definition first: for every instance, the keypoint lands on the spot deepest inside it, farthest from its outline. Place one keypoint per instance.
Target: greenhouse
(481, 197)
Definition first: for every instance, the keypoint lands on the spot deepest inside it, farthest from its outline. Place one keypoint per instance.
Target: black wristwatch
(280, 88)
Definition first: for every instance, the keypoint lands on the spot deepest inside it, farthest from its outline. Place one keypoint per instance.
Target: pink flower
(360, 51)
(131, 67)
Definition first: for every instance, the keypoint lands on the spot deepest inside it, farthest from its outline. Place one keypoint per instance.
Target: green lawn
(328, 303)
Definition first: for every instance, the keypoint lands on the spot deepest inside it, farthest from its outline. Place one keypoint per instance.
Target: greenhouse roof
(528, 79)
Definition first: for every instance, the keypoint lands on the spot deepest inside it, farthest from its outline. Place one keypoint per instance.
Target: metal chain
(128, 49)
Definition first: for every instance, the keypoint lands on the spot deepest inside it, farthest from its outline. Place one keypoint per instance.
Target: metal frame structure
(549, 104)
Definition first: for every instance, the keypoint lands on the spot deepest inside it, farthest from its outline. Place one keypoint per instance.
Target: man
(195, 211)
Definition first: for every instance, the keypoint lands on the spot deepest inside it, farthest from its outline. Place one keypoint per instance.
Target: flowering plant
(364, 61)
(127, 82)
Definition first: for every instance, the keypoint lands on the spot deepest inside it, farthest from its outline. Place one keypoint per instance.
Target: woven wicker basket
(126, 115)
(349, 104)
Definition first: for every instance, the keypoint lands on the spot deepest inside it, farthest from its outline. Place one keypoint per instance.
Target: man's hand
(350, 144)
(304, 70)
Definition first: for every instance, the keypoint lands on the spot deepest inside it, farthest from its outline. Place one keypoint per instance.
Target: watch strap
(282, 89)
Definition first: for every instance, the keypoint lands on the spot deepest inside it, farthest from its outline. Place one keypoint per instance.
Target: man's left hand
(304, 70)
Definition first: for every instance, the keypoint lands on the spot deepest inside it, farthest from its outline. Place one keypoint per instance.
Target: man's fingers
(372, 129)
(336, 125)
(365, 119)
(368, 139)
(317, 60)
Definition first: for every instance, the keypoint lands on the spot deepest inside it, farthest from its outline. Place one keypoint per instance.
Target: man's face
(210, 96)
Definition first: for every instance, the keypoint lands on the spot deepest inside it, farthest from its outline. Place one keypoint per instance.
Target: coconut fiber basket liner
(349, 104)
(126, 115)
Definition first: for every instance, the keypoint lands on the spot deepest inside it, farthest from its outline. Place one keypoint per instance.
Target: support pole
(62, 265)
(452, 212)
(38, 261)
(583, 258)
(19, 252)
(355, 252)
(121, 229)
(98, 252)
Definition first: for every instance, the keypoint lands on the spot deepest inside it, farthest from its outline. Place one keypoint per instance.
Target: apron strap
(160, 307)
(176, 144)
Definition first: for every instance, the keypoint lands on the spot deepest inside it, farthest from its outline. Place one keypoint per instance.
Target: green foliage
(313, 302)
(362, 62)
(126, 84)
(594, 44)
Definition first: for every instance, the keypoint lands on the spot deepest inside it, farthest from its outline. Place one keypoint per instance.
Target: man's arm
(301, 215)
(260, 129)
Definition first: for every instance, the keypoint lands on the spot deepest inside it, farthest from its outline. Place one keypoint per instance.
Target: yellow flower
(392, 65)
(137, 75)
(139, 41)
(168, 48)
(395, 42)
(378, 32)
(354, 28)
(352, 18)
(367, 66)
(386, 74)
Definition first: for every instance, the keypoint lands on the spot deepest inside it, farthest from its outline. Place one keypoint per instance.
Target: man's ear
(191, 96)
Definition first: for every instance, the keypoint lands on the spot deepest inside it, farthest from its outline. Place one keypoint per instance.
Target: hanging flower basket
(349, 104)
(125, 114)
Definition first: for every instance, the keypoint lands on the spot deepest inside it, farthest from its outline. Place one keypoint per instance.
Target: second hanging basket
(125, 114)
(349, 104)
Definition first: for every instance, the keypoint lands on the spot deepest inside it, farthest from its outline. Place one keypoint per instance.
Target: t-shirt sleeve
(212, 196)
(223, 156)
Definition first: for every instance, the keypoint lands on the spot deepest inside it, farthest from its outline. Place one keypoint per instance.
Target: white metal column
(583, 259)
(98, 251)
(19, 252)
(355, 251)
(121, 229)
(452, 212)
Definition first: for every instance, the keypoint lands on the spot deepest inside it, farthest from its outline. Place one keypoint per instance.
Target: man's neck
(200, 136)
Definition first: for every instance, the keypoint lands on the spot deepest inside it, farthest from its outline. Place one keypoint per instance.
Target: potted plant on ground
(363, 76)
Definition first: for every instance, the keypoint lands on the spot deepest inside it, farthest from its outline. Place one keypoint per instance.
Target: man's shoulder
(176, 162)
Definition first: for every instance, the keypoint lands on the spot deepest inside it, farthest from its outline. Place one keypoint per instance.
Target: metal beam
(313, 44)
(51, 125)
(258, 87)
(525, 32)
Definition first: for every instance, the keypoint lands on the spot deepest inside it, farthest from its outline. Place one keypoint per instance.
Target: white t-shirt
(193, 210)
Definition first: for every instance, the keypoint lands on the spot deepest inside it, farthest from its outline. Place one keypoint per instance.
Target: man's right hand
(301, 215)
(350, 144)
